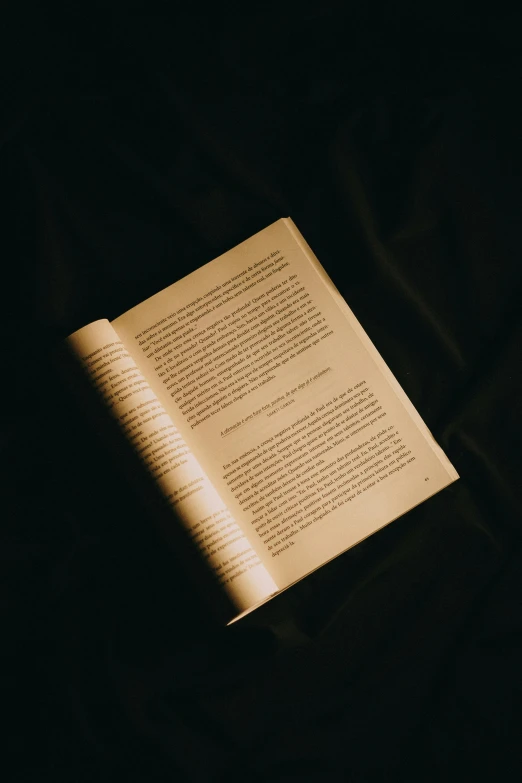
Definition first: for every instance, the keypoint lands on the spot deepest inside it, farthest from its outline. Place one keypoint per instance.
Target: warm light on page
(180, 478)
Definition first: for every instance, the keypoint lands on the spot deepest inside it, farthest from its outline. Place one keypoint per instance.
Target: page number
(426, 479)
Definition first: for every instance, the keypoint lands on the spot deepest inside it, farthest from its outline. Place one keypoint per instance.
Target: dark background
(136, 146)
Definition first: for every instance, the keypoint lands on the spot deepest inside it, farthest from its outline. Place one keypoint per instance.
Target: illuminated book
(274, 431)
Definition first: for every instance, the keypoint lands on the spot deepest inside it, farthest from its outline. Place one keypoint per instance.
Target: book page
(178, 475)
(285, 401)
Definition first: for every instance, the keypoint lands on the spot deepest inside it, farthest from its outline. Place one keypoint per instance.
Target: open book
(271, 426)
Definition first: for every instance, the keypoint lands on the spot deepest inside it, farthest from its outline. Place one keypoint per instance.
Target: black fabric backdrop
(136, 147)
